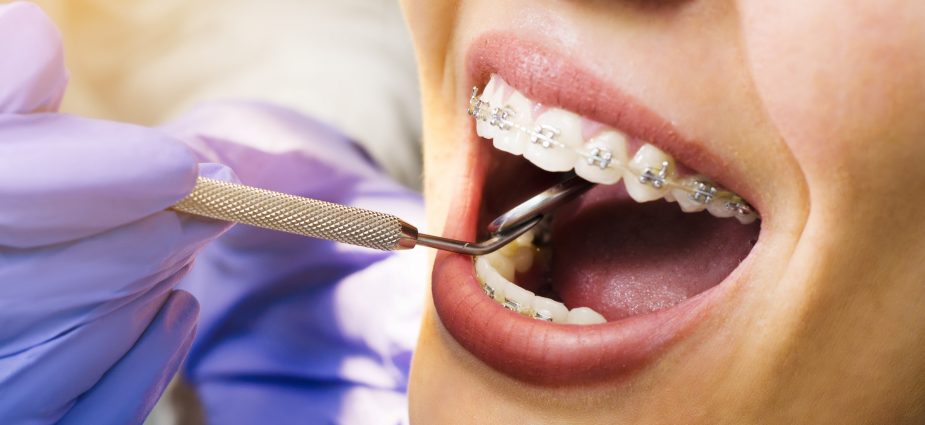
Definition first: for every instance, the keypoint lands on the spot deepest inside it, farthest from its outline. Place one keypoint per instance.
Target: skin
(823, 103)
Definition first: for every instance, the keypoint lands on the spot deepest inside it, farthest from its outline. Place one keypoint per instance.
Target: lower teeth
(496, 273)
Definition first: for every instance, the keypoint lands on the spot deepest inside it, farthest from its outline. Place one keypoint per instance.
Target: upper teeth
(553, 141)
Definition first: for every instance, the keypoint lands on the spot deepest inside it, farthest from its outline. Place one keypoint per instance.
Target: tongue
(622, 258)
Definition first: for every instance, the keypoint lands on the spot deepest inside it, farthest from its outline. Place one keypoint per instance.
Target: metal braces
(476, 105)
(542, 315)
(739, 205)
(511, 305)
(703, 192)
(546, 136)
(600, 156)
(501, 118)
(656, 178)
(516, 307)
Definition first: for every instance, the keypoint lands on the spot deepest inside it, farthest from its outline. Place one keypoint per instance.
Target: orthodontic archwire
(701, 191)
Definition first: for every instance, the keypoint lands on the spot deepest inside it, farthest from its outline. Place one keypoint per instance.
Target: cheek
(842, 81)
(431, 23)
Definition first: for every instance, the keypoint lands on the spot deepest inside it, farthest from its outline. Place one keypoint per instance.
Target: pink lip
(541, 352)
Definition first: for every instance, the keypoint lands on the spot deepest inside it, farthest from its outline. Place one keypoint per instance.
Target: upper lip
(541, 352)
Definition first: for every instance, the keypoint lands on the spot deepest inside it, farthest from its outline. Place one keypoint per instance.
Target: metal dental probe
(356, 226)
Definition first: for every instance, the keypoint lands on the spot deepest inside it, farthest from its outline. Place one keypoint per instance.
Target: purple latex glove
(297, 330)
(91, 328)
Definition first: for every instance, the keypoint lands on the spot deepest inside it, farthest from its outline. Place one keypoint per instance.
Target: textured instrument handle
(293, 214)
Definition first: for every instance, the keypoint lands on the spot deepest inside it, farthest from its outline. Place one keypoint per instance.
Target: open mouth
(608, 280)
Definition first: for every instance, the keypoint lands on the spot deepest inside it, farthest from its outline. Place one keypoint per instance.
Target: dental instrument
(267, 209)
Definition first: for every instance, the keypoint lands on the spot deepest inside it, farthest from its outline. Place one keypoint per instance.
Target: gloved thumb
(130, 389)
(63, 178)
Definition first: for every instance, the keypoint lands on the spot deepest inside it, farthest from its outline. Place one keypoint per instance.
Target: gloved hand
(91, 328)
(297, 330)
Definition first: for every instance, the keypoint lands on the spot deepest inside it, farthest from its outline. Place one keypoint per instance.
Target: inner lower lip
(527, 349)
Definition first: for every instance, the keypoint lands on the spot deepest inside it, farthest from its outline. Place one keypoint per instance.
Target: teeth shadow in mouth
(611, 254)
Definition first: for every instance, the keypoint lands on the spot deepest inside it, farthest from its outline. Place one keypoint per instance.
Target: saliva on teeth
(554, 141)
(497, 271)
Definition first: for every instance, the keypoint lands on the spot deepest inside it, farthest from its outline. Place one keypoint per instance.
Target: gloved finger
(129, 390)
(32, 65)
(64, 178)
(42, 382)
(47, 291)
(85, 303)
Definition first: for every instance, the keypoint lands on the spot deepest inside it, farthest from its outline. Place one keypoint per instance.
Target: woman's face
(812, 112)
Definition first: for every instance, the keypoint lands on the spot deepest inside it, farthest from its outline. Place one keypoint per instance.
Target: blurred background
(348, 63)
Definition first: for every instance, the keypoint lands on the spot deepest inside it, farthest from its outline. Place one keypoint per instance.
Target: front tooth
(512, 140)
(517, 299)
(547, 309)
(553, 142)
(703, 194)
(491, 278)
(502, 264)
(523, 258)
(584, 316)
(603, 156)
(648, 174)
